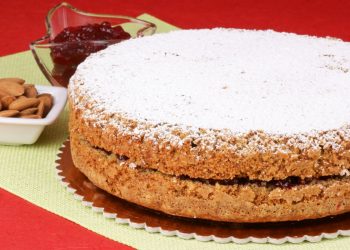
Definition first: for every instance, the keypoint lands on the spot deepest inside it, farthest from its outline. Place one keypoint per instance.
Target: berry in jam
(74, 44)
(289, 182)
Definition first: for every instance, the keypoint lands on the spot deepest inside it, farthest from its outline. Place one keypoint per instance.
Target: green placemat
(28, 171)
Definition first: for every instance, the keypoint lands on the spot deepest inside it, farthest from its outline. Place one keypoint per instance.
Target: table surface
(24, 225)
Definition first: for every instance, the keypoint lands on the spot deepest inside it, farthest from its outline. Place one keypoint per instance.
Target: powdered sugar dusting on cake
(227, 80)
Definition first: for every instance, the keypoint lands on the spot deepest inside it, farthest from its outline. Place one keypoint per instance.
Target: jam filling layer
(288, 182)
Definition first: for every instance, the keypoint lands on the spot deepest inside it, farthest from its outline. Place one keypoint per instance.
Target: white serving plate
(16, 131)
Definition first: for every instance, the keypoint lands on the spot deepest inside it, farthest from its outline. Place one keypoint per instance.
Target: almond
(24, 103)
(8, 113)
(21, 97)
(2, 94)
(30, 90)
(41, 108)
(18, 99)
(7, 100)
(48, 102)
(11, 88)
(29, 111)
(12, 79)
(31, 116)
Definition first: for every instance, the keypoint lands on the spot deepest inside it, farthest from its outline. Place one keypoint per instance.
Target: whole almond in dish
(7, 100)
(20, 99)
(13, 79)
(8, 113)
(11, 87)
(29, 111)
(30, 90)
(46, 103)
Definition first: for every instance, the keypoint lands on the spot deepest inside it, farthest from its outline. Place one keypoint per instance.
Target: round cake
(223, 124)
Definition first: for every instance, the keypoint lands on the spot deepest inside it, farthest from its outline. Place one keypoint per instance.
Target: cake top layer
(239, 80)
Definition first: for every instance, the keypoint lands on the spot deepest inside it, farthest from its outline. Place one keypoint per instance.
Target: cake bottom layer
(247, 202)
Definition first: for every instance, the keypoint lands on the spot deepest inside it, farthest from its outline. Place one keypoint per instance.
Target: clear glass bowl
(65, 15)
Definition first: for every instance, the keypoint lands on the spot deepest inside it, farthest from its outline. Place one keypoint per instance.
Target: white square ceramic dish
(16, 131)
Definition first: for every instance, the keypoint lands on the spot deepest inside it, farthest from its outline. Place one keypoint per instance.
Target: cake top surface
(240, 80)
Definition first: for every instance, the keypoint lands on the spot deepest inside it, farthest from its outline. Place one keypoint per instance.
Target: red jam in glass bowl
(72, 35)
(77, 43)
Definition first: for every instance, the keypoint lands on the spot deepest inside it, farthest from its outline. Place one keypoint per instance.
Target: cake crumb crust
(249, 203)
(255, 155)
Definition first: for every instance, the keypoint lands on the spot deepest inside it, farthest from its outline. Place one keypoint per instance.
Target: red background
(23, 21)
(25, 226)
